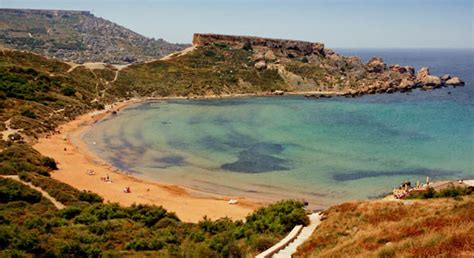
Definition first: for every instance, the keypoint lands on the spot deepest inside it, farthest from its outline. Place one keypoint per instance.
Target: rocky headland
(311, 66)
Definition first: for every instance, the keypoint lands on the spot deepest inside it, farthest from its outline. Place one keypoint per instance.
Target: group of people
(108, 179)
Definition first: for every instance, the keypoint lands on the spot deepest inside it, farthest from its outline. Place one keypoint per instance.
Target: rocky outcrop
(455, 81)
(310, 65)
(423, 72)
(303, 47)
(376, 65)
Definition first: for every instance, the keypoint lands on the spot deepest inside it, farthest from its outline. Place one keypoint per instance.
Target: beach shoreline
(75, 159)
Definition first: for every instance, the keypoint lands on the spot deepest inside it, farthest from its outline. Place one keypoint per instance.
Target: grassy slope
(33, 95)
(214, 69)
(432, 227)
(30, 225)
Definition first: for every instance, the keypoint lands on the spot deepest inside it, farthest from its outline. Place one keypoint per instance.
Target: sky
(337, 23)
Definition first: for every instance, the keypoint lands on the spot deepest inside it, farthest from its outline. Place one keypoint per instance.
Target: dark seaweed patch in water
(407, 172)
(171, 161)
(258, 159)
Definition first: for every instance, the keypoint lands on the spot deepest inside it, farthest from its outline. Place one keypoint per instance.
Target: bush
(28, 113)
(49, 162)
(90, 197)
(70, 212)
(450, 191)
(68, 90)
(11, 191)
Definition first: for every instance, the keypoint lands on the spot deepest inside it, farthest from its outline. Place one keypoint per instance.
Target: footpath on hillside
(45, 194)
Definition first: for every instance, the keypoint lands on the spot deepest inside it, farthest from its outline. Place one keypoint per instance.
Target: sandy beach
(75, 160)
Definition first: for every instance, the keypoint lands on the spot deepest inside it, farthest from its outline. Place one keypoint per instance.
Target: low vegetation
(214, 69)
(450, 191)
(32, 226)
(441, 227)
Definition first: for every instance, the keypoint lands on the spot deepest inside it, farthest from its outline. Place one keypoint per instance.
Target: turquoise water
(324, 151)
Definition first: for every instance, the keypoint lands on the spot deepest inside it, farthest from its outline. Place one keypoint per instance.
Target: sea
(323, 151)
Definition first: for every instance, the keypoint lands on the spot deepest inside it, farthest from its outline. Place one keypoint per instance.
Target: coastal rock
(402, 69)
(376, 65)
(422, 73)
(455, 81)
(260, 65)
(410, 69)
(406, 84)
(445, 77)
(431, 80)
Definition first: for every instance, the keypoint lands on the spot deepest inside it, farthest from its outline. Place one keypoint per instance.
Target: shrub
(70, 212)
(11, 190)
(68, 90)
(49, 162)
(28, 113)
(90, 197)
(450, 191)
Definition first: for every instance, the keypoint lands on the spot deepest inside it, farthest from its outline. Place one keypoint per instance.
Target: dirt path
(45, 194)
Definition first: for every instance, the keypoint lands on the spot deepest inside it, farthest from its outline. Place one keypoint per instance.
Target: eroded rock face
(304, 47)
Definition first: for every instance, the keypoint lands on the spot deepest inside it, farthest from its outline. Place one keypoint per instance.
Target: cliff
(303, 47)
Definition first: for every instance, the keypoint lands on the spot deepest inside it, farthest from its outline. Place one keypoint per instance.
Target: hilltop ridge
(78, 36)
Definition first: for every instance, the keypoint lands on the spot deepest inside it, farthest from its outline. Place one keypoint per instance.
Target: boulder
(318, 48)
(376, 65)
(423, 72)
(431, 80)
(328, 52)
(270, 56)
(258, 57)
(260, 65)
(445, 77)
(410, 70)
(278, 92)
(406, 84)
(455, 81)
